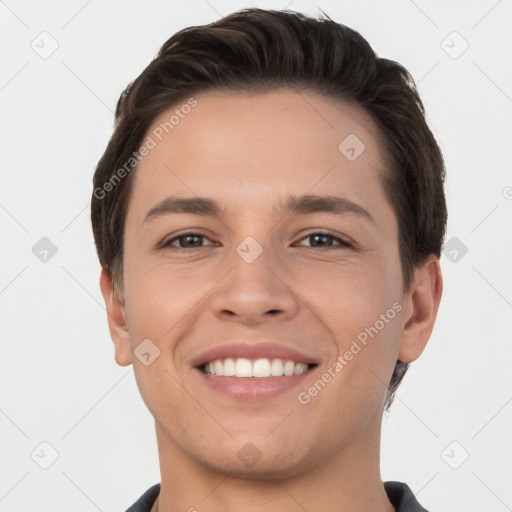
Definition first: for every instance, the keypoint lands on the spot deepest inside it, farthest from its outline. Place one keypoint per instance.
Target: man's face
(257, 283)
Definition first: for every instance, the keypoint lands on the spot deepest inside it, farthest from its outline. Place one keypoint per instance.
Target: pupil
(316, 237)
(189, 237)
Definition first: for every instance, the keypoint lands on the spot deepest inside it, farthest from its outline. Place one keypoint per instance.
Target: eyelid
(190, 232)
(343, 241)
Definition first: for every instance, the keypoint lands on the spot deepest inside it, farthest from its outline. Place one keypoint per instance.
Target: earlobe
(422, 306)
(116, 320)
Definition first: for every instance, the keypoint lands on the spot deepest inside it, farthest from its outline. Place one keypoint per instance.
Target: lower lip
(252, 388)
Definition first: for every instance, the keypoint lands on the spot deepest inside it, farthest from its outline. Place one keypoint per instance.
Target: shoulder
(146, 501)
(402, 498)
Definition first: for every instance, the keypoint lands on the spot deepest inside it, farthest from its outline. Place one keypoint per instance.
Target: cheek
(163, 303)
(351, 297)
(152, 292)
(160, 308)
(361, 310)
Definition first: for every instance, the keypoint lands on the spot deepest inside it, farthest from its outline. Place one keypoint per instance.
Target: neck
(349, 481)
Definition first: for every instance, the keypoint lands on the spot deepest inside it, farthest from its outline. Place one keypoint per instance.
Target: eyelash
(343, 244)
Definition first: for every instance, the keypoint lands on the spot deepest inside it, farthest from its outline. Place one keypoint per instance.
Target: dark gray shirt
(399, 494)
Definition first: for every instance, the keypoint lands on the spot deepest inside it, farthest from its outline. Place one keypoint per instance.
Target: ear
(116, 320)
(420, 310)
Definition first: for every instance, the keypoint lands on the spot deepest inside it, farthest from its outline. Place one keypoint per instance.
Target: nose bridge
(254, 263)
(254, 288)
(253, 266)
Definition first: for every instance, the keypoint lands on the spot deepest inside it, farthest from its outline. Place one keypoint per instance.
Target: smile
(260, 368)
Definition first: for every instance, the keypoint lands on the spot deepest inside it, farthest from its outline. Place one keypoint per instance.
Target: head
(251, 110)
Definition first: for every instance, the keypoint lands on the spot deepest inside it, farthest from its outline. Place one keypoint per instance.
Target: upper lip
(252, 350)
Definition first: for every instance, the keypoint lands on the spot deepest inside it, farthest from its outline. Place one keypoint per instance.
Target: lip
(252, 350)
(252, 388)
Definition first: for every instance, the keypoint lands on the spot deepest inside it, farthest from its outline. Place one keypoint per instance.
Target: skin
(249, 152)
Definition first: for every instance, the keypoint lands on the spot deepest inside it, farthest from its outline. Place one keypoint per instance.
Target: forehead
(244, 147)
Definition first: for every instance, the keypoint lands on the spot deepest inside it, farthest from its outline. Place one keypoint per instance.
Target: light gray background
(58, 379)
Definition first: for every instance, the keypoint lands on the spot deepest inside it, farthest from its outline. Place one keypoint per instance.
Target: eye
(186, 241)
(324, 240)
(193, 240)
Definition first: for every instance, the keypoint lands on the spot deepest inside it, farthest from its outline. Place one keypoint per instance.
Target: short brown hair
(256, 50)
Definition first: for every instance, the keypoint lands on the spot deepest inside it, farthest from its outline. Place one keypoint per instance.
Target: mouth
(254, 380)
(262, 368)
(257, 370)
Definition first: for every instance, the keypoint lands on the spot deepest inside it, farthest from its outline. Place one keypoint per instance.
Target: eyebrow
(306, 204)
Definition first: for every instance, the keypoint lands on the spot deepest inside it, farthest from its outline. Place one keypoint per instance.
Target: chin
(247, 461)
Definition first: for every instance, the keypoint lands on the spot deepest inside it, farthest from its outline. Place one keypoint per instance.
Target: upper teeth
(259, 368)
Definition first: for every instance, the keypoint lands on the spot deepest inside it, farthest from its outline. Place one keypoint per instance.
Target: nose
(255, 292)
